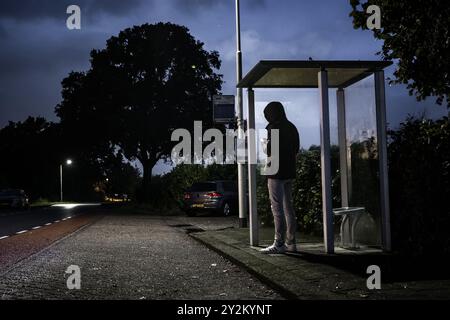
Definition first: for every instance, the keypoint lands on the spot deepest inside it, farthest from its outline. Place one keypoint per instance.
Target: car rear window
(200, 187)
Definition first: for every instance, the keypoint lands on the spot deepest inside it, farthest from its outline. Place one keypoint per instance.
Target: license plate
(198, 206)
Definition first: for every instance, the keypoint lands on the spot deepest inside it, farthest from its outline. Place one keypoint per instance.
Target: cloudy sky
(38, 51)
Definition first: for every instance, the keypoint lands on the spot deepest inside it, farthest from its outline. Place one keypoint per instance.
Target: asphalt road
(20, 222)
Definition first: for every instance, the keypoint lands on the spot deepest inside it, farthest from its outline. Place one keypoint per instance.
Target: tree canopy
(417, 34)
(148, 81)
(27, 149)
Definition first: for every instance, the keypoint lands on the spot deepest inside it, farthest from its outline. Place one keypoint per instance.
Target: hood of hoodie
(274, 112)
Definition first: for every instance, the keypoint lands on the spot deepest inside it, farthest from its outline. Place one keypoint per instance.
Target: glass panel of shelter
(362, 167)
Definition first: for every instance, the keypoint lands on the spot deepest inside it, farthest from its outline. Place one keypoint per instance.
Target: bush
(307, 191)
(419, 169)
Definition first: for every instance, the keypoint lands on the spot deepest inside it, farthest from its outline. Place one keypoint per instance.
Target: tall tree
(417, 34)
(148, 81)
(28, 154)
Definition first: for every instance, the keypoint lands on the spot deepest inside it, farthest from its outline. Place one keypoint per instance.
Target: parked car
(14, 198)
(122, 197)
(217, 196)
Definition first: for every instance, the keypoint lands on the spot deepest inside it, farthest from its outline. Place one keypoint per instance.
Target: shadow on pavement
(395, 267)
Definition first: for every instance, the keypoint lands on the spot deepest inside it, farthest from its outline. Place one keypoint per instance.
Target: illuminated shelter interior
(325, 76)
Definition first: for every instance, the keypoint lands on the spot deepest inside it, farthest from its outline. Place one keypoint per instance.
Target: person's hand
(264, 143)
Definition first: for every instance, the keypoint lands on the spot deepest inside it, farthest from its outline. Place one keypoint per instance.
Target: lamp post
(68, 162)
(240, 123)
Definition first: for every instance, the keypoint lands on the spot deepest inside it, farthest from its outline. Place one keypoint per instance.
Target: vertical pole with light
(68, 162)
(240, 123)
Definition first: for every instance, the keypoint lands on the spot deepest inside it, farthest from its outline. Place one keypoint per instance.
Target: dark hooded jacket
(289, 140)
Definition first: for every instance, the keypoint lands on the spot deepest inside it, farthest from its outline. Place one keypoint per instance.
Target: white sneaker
(291, 247)
(274, 249)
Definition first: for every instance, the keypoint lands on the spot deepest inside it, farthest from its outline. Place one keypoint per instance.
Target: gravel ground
(131, 257)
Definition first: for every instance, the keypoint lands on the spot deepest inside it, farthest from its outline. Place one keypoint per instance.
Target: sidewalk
(316, 276)
(133, 257)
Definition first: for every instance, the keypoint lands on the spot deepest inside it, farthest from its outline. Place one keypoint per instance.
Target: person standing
(280, 183)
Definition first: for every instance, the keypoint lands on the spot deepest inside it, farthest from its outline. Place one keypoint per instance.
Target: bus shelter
(326, 77)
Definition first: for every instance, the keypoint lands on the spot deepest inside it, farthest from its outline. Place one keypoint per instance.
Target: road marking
(48, 224)
(57, 221)
(23, 231)
(38, 227)
(69, 217)
(65, 219)
(1, 238)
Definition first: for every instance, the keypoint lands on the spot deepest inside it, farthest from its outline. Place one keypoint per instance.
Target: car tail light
(187, 196)
(214, 195)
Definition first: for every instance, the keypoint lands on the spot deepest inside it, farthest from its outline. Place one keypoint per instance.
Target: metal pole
(328, 232)
(380, 98)
(61, 182)
(240, 123)
(252, 160)
(342, 133)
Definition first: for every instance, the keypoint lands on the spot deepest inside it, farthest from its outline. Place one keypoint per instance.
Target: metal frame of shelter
(322, 75)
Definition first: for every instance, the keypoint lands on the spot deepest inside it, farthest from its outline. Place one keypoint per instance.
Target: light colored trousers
(280, 193)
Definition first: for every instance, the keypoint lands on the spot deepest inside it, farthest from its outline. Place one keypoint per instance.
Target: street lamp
(68, 163)
(240, 122)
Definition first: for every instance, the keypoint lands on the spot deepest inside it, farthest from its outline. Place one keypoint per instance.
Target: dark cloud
(33, 67)
(38, 51)
(56, 9)
(45, 55)
(3, 32)
(194, 5)
(256, 4)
